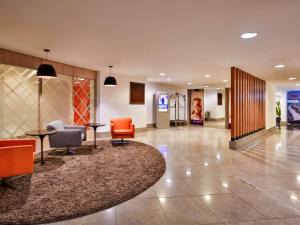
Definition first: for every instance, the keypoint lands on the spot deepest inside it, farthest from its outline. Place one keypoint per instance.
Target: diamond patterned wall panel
(84, 101)
(92, 101)
(56, 100)
(81, 101)
(62, 98)
(18, 101)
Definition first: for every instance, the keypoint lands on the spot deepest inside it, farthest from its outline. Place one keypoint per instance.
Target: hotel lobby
(150, 112)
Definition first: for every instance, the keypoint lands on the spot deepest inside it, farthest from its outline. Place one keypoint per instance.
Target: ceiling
(184, 39)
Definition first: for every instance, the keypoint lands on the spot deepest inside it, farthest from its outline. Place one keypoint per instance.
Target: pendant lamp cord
(46, 52)
(110, 70)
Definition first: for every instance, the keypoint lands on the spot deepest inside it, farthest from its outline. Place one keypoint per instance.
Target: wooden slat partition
(227, 108)
(27, 61)
(247, 104)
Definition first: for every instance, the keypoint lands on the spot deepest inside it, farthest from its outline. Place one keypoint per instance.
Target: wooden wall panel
(27, 61)
(233, 99)
(247, 104)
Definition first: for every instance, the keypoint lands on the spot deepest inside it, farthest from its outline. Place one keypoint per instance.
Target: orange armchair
(16, 157)
(122, 128)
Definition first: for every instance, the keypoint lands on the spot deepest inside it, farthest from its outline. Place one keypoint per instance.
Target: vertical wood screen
(247, 104)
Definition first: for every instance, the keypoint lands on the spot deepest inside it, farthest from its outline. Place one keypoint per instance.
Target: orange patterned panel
(81, 101)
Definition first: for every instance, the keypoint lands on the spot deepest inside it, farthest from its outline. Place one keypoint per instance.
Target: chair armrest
(82, 128)
(17, 142)
(132, 127)
(16, 160)
(74, 127)
(68, 133)
(112, 127)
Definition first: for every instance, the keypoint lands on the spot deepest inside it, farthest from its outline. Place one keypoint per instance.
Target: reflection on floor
(206, 183)
(215, 124)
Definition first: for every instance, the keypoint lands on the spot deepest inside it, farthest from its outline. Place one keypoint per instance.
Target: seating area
(18, 155)
(150, 112)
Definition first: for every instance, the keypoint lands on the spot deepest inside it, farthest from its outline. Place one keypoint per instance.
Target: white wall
(114, 102)
(211, 103)
(270, 105)
(151, 89)
(283, 103)
(281, 95)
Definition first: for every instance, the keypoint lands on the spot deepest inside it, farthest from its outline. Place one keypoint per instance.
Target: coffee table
(95, 126)
(41, 134)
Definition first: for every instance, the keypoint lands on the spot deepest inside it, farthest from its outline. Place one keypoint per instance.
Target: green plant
(278, 109)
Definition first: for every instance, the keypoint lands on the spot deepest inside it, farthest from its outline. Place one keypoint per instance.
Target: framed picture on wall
(137, 93)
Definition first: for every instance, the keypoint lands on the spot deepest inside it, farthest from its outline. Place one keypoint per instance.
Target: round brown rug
(72, 186)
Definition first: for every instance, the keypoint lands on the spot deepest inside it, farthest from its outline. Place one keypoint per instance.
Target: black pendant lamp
(110, 81)
(46, 71)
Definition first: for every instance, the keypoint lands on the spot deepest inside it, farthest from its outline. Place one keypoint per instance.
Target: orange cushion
(123, 131)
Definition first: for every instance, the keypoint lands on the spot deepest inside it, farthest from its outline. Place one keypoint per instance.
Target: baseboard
(150, 125)
(107, 134)
(251, 139)
(215, 119)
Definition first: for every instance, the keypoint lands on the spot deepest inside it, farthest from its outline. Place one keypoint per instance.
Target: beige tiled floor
(206, 183)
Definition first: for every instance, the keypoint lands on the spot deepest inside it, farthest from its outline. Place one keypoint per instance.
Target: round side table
(95, 126)
(41, 134)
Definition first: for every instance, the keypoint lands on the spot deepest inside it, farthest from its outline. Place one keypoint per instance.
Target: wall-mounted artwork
(293, 107)
(197, 107)
(137, 93)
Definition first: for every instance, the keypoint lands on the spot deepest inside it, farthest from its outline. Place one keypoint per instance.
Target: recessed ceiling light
(292, 78)
(248, 35)
(279, 66)
(206, 86)
(80, 78)
(207, 75)
(225, 81)
(218, 88)
(168, 79)
(162, 74)
(189, 83)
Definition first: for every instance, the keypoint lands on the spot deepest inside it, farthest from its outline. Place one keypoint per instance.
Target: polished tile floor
(206, 183)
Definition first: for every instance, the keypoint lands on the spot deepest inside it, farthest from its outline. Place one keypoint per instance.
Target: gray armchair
(67, 136)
